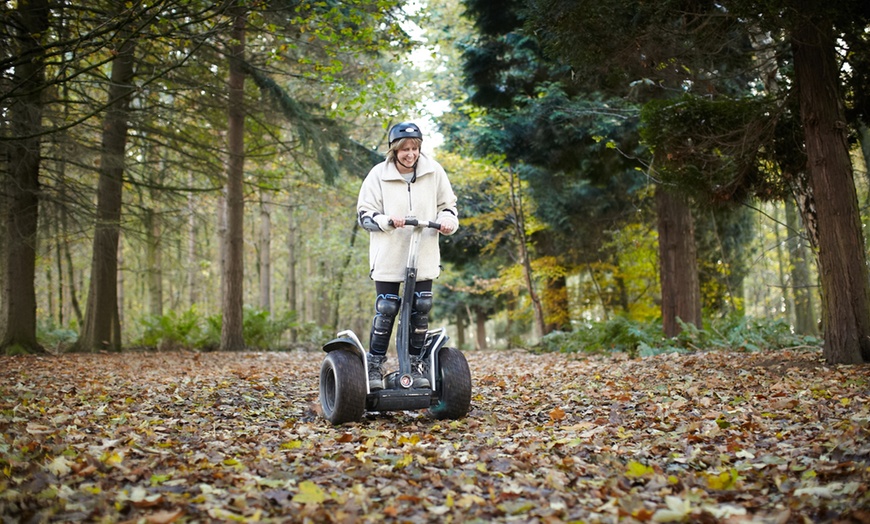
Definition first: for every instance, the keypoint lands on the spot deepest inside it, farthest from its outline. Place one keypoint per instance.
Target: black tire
(454, 385)
(342, 387)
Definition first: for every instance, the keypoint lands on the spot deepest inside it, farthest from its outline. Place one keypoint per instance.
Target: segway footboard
(398, 399)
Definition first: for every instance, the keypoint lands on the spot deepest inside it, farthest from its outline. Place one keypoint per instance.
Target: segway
(344, 380)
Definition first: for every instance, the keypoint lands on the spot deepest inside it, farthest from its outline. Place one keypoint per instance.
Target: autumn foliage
(183, 437)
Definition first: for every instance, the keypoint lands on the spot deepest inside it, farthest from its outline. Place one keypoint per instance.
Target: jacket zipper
(409, 182)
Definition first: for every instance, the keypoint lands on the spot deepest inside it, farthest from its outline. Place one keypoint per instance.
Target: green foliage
(264, 331)
(173, 330)
(718, 150)
(191, 330)
(15, 349)
(619, 334)
(55, 336)
(642, 339)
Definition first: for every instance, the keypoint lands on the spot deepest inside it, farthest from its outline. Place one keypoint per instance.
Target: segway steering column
(403, 336)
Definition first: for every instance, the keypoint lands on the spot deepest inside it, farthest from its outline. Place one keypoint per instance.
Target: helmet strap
(414, 167)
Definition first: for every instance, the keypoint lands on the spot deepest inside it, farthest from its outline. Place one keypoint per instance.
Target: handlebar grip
(414, 222)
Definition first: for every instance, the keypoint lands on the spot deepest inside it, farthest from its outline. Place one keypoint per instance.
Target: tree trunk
(265, 272)
(605, 303)
(558, 314)
(864, 140)
(802, 288)
(337, 291)
(232, 335)
(787, 297)
(120, 277)
(842, 265)
(460, 329)
(516, 199)
(309, 300)
(58, 262)
(71, 273)
(222, 241)
(21, 208)
(102, 329)
(292, 301)
(193, 264)
(480, 323)
(681, 290)
(154, 260)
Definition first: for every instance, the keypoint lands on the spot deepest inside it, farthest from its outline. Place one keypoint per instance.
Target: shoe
(420, 371)
(376, 371)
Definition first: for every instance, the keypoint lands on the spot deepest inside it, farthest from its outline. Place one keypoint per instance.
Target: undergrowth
(640, 339)
(190, 329)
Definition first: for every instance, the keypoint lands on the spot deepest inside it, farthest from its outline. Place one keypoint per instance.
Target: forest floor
(775, 437)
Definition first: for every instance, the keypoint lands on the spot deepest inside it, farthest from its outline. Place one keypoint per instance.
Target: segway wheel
(454, 385)
(342, 387)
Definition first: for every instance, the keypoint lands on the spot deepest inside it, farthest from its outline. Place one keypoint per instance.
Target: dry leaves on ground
(184, 437)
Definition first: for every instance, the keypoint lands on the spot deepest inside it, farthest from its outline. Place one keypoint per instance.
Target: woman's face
(408, 153)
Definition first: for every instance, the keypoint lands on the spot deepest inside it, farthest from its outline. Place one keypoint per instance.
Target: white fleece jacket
(385, 193)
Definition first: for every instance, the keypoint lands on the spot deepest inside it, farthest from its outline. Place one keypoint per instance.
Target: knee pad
(423, 301)
(388, 305)
(420, 320)
(386, 308)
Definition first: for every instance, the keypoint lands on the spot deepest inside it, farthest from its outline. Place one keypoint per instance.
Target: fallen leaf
(309, 493)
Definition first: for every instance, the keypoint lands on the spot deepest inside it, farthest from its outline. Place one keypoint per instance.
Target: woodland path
(202, 437)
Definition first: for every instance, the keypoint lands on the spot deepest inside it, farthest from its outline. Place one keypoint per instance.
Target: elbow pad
(368, 223)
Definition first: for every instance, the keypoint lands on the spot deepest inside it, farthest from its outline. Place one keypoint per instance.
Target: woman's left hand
(446, 228)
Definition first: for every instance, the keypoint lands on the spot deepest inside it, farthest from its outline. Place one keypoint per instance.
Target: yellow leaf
(635, 469)
(309, 493)
(405, 460)
(413, 439)
(724, 480)
(112, 458)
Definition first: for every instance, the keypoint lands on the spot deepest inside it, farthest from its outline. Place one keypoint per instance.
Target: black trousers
(392, 288)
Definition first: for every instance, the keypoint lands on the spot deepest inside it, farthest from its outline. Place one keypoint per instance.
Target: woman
(407, 183)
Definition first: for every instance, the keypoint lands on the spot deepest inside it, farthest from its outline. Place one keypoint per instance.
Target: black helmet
(404, 130)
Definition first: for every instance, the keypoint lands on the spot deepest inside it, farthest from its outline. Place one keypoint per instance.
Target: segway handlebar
(411, 221)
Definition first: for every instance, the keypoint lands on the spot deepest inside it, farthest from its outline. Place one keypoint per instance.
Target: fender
(435, 340)
(345, 340)
(348, 341)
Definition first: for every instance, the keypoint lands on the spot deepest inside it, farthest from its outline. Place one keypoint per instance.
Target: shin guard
(386, 308)
(420, 321)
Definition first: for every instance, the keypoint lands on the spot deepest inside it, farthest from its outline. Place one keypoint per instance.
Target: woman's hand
(446, 228)
(397, 221)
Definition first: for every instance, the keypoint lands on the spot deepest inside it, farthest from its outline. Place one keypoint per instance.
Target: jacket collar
(425, 166)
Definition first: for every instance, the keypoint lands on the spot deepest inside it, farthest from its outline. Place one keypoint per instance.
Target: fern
(621, 334)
